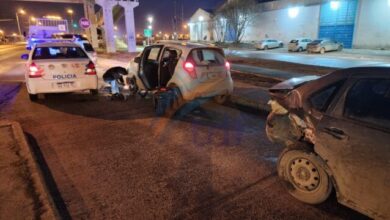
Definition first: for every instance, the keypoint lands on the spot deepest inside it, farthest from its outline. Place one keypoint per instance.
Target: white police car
(59, 67)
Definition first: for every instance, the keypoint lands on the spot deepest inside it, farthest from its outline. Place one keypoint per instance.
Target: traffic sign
(84, 23)
(148, 32)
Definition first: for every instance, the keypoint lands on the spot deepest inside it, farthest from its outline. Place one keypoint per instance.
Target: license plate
(214, 75)
(63, 85)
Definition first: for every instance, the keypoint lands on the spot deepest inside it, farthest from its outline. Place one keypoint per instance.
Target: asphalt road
(331, 59)
(11, 66)
(116, 160)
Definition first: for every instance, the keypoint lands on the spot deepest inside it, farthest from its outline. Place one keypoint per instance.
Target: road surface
(331, 60)
(116, 160)
(11, 66)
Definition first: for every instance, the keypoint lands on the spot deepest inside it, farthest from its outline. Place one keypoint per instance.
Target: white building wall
(373, 25)
(279, 25)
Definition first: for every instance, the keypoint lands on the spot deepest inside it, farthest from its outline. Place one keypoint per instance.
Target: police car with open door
(59, 67)
(177, 72)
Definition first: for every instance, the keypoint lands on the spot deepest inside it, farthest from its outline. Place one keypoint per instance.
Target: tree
(219, 25)
(238, 14)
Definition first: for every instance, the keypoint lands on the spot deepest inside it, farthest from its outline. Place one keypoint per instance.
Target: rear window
(208, 57)
(294, 41)
(41, 53)
(88, 47)
(317, 41)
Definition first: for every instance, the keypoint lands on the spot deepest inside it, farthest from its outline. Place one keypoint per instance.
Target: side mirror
(137, 60)
(28, 48)
(24, 57)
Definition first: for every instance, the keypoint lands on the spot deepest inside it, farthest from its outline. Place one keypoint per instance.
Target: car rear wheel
(300, 49)
(322, 51)
(304, 177)
(265, 47)
(281, 45)
(33, 97)
(221, 99)
(340, 48)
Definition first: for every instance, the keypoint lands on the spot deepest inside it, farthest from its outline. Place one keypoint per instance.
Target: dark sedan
(336, 130)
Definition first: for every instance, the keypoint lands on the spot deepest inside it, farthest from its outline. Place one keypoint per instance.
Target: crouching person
(114, 77)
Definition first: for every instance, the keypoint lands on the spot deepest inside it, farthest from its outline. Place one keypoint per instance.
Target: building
(356, 23)
(200, 24)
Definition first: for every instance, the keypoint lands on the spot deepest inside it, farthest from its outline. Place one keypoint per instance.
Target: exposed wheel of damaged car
(304, 177)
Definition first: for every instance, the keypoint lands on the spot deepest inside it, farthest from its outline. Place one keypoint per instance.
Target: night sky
(162, 10)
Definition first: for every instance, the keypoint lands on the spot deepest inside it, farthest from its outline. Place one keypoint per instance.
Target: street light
(150, 19)
(293, 12)
(334, 5)
(22, 12)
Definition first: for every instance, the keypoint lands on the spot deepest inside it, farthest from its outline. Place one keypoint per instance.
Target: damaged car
(336, 132)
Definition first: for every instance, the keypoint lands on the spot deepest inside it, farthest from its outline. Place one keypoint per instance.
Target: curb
(50, 210)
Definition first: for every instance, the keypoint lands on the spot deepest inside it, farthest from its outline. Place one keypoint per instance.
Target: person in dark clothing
(114, 77)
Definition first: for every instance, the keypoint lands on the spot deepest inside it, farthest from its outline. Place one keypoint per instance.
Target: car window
(58, 53)
(153, 54)
(322, 99)
(88, 47)
(208, 57)
(294, 41)
(369, 101)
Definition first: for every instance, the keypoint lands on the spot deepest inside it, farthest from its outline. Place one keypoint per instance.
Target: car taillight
(227, 65)
(91, 70)
(34, 71)
(190, 69)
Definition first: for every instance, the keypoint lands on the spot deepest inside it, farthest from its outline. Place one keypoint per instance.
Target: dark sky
(162, 10)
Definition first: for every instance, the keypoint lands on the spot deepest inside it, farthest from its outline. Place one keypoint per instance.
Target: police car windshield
(41, 53)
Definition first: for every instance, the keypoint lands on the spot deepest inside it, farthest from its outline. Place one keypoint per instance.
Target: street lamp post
(70, 12)
(21, 11)
(150, 27)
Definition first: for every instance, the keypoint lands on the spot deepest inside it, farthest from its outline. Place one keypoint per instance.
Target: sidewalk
(23, 191)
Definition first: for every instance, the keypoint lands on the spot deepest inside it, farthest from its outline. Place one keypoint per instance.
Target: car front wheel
(322, 51)
(304, 177)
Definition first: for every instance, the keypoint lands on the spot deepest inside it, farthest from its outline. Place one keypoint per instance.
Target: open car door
(148, 71)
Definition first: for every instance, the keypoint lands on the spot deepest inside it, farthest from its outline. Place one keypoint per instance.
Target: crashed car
(336, 130)
(179, 72)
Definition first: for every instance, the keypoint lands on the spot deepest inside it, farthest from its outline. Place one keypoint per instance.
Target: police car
(58, 67)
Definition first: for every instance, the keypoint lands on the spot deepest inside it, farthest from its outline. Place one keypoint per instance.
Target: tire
(265, 47)
(33, 97)
(304, 177)
(94, 92)
(340, 48)
(220, 99)
(322, 51)
(300, 49)
(133, 85)
(281, 45)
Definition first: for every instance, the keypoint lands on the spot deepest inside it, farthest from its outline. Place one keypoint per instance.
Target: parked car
(58, 68)
(298, 44)
(324, 45)
(336, 130)
(269, 44)
(177, 72)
